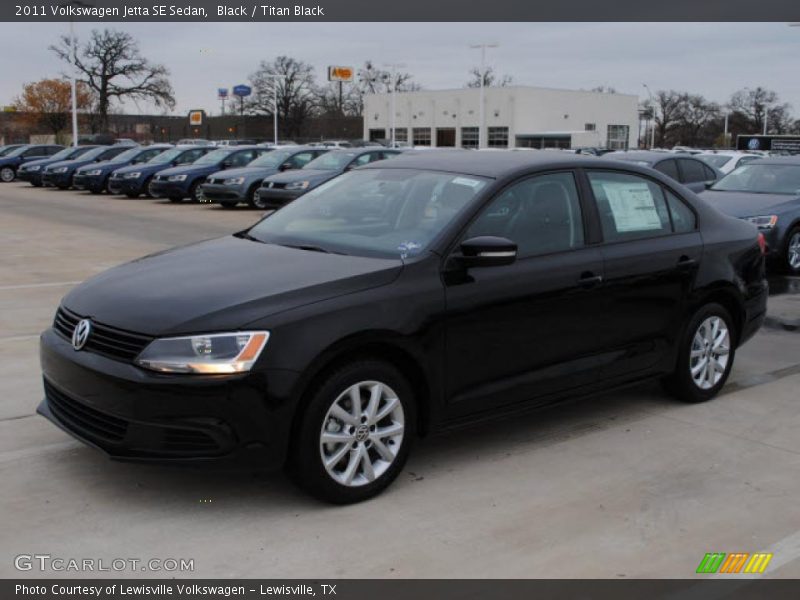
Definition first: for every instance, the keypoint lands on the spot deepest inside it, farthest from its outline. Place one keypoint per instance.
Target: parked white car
(727, 161)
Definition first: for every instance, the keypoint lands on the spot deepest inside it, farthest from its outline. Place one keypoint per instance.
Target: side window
(363, 159)
(683, 218)
(630, 207)
(240, 159)
(541, 214)
(710, 174)
(668, 168)
(35, 151)
(300, 160)
(693, 171)
(53, 150)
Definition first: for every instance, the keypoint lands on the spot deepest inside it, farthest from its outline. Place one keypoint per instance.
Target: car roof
(645, 155)
(484, 164)
(776, 160)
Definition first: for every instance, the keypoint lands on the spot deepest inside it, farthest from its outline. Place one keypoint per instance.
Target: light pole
(653, 110)
(766, 118)
(73, 41)
(275, 79)
(393, 67)
(482, 108)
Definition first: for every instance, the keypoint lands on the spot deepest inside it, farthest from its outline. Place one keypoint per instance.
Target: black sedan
(135, 180)
(398, 299)
(282, 188)
(766, 192)
(96, 177)
(691, 172)
(11, 162)
(32, 171)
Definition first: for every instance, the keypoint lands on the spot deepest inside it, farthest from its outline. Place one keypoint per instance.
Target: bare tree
(669, 106)
(490, 78)
(114, 69)
(696, 114)
(294, 82)
(371, 79)
(753, 104)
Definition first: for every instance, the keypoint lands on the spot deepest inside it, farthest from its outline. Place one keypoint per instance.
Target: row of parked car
(763, 190)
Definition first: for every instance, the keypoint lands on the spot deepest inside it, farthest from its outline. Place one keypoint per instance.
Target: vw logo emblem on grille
(81, 333)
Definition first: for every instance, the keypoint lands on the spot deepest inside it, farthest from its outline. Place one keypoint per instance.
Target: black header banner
(392, 10)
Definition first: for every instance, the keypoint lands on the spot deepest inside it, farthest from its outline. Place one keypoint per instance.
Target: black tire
(791, 261)
(681, 383)
(146, 187)
(251, 196)
(305, 465)
(195, 191)
(7, 174)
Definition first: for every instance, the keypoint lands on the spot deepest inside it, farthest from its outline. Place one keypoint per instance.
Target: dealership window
(543, 141)
(377, 134)
(541, 215)
(590, 127)
(401, 135)
(498, 137)
(422, 136)
(617, 137)
(630, 207)
(469, 137)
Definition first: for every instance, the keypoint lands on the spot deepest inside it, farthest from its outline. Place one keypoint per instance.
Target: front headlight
(763, 221)
(134, 175)
(210, 354)
(32, 168)
(176, 178)
(60, 170)
(93, 172)
(297, 185)
(234, 181)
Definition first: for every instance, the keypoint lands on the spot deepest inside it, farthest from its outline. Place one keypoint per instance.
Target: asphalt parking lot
(629, 484)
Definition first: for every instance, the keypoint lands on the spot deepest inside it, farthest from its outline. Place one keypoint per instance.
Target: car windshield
(387, 213)
(166, 157)
(214, 157)
(7, 150)
(272, 159)
(761, 179)
(64, 154)
(128, 155)
(16, 151)
(331, 161)
(94, 152)
(714, 160)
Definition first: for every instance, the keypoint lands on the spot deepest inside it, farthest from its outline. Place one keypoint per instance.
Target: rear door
(651, 250)
(695, 174)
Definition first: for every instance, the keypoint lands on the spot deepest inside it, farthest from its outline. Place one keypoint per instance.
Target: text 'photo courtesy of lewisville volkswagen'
(421, 300)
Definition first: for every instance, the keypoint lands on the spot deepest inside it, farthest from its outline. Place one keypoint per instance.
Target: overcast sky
(713, 59)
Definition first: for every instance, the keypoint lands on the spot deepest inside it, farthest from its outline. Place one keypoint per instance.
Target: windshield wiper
(246, 236)
(310, 248)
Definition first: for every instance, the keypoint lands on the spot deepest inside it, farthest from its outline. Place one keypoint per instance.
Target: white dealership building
(515, 116)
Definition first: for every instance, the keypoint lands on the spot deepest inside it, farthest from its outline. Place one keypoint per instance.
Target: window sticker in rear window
(632, 206)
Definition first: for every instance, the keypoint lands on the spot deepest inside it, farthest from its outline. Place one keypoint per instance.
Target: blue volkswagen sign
(754, 144)
(242, 90)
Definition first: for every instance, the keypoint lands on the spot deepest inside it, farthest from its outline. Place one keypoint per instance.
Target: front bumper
(93, 183)
(214, 192)
(125, 186)
(133, 414)
(57, 179)
(275, 198)
(169, 189)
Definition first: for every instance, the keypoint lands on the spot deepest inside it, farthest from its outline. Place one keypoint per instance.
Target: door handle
(684, 262)
(589, 279)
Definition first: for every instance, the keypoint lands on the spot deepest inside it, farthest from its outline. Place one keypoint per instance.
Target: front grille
(278, 186)
(82, 419)
(107, 341)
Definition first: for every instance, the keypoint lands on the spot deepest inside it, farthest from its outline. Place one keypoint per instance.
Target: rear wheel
(7, 174)
(355, 433)
(705, 356)
(792, 254)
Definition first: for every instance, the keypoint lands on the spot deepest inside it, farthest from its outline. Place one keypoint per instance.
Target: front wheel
(195, 193)
(355, 433)
(793, 251)
(7, 174)
(705, 356)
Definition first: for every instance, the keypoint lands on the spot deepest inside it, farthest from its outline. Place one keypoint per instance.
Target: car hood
(188, 169)
(221, 284)
(42, 162)
(314, 175)
(73, 164)
(243, 172)
(105, 164)
(746, 204)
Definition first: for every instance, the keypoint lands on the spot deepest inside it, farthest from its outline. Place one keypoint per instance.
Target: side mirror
(226, 164)
(285, 166)
(487, 251)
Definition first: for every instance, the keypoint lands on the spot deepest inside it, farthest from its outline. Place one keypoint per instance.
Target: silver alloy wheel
(362, 433)
(793, 253)
(710, 352)
(7, 174)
